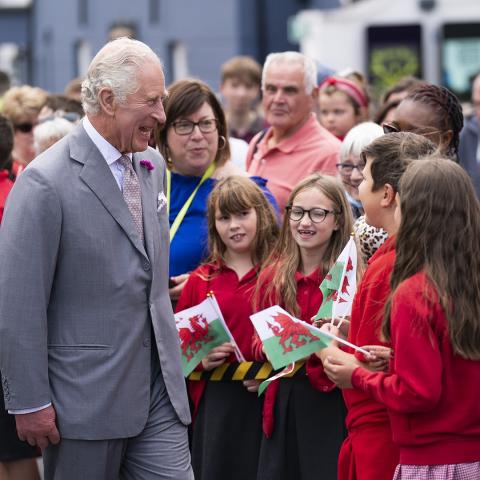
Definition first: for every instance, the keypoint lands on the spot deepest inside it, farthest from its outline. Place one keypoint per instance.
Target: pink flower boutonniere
(147, 164)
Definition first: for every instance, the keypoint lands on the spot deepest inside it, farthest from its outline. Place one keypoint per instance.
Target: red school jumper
(234, 297)
(431, 393)
(226, 434)
(303, 416)
(309, 299)
(369, 452)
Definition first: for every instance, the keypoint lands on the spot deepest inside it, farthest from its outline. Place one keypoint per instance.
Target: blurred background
(47, 43)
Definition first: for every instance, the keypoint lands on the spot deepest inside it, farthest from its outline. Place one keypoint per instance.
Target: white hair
(49, 132)
(116, 67)
(358, 138)
(309, 67)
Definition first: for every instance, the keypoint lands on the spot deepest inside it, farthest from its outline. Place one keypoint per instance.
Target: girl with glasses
(194, 143)
(303, 417)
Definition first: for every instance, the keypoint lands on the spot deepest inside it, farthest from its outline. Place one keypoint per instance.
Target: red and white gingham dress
(458, 471)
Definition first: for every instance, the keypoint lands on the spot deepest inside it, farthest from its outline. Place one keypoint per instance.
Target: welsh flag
(201, 328)
(285, 338)
(339, 285)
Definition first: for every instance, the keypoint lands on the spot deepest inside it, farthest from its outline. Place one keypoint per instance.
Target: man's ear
(107, 102)
(314, 94)
(388, 199)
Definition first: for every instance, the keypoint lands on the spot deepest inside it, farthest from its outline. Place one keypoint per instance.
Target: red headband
(348, 87)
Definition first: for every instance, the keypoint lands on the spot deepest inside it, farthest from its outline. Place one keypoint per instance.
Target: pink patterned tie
(131, 193)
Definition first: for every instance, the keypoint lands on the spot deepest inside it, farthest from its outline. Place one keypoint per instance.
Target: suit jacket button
(146, 265)
(146, 342)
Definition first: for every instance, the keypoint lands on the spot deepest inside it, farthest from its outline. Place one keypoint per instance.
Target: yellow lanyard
(183, 211)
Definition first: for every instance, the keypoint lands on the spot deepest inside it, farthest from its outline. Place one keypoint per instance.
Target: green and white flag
(202, 328)
(285, 338)
(339, 285)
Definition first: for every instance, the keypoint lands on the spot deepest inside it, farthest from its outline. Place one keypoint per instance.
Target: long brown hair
(285, 260)
(184, 98)
(234, 195)
(439, 235)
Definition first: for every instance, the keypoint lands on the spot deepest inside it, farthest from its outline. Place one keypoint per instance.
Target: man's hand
(217, 356)
(38, 428)
(176, 285)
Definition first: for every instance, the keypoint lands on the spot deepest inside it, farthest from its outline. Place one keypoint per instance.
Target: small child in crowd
(304, 415)
(342, 105)
(368, 452)
(432, 320)
(242, 229)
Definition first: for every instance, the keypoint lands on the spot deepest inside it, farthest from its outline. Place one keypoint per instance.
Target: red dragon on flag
(192, 339)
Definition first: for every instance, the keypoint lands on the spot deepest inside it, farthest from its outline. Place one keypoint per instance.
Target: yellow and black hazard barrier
(242, 371)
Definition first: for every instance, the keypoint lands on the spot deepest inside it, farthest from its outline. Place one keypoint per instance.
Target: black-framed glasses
(317, 215)
(347, 168)
(186, 127)
(24, 127)
(392, 127)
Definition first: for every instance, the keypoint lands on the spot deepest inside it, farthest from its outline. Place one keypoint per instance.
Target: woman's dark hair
(447, 108)
(184, 98)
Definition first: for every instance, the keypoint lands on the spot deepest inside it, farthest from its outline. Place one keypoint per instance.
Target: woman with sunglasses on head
(22, 105)
(194, 143)
(433, 112)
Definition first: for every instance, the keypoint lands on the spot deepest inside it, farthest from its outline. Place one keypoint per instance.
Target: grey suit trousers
(159, 452)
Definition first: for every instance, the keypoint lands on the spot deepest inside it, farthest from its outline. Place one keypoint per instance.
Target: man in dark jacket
(469, 151)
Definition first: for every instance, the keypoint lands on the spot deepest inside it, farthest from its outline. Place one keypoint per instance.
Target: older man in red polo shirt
(296, 144)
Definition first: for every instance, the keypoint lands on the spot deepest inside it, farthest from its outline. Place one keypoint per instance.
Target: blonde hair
(285, 260)
(21, 104)
(236, 194)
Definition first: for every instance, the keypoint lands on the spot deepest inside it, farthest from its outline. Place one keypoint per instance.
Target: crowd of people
(254, 192)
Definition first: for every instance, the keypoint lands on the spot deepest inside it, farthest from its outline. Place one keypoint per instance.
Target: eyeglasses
(317, 215)
(347, 168)
(186, 127)
(24, 127)
(392, 127)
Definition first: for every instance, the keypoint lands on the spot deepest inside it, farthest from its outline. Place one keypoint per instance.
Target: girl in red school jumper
(433, 322)
(369, 452)
(303, 418)
(242, 229)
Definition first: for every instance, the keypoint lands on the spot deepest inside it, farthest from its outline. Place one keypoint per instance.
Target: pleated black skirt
(309, 431)
(227, 433)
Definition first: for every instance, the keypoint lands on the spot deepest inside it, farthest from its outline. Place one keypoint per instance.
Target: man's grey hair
(309, 67)
(116, 67)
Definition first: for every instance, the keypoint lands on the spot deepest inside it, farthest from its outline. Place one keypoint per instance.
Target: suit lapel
(148, 204)
(98, 176)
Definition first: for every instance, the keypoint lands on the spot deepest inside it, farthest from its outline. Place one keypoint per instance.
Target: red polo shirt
(311, 149)
(5, 186)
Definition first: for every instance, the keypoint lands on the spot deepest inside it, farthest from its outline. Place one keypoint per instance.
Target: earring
(224, 142)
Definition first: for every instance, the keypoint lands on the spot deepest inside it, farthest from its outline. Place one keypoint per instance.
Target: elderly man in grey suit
(89, 352)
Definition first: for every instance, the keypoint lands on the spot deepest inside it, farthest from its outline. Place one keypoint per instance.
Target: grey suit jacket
(79, 294)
